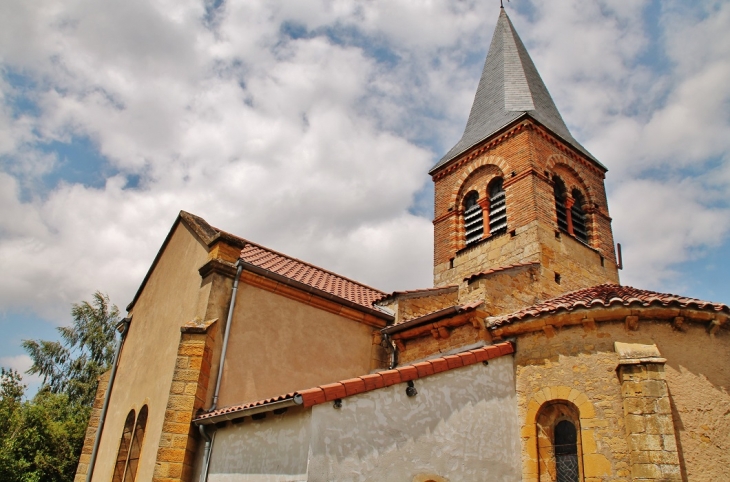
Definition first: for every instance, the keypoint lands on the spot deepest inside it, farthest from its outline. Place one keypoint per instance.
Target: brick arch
(481, 162)
(595, 464)
(557, 163)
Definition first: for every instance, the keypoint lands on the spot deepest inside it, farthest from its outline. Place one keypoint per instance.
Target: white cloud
(315, 147)
(21, 364)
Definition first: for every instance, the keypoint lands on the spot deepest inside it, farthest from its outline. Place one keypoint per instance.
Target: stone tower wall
(527, 157)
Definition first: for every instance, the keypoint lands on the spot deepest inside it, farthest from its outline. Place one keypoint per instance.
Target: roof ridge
(292, 258)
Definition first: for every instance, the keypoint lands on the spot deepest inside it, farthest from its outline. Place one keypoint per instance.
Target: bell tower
(518, 189)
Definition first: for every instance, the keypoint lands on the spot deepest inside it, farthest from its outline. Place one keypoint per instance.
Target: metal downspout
(208, 439)
(124, 325)
(393, 348)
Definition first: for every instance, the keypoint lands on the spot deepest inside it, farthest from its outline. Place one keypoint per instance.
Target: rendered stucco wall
(271, 450)
(278, 345)
(147, 361)
(461, 426)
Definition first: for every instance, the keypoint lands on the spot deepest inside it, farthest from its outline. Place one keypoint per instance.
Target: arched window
(473, 218)
(123, 452)
(561, 194)
(559, 442)
(497, 207)
(130, 446)
(580, 230)
(133, 461)
(566, 452)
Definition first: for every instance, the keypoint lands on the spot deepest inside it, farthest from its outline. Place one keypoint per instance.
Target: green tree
(86, 350)
(42, 438)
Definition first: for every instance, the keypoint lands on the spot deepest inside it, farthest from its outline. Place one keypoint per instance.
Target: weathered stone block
(596, 465)
(646, 471)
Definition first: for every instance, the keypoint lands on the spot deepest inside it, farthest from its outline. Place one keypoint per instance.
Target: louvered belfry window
(473, 218)
(497, 207)
(561, 195)
(580, 230)
(566, 452)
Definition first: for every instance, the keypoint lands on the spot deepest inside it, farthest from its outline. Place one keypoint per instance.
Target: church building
(526, 361)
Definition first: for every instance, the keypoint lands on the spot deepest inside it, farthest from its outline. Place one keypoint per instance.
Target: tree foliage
(41, 439)
(86, 350)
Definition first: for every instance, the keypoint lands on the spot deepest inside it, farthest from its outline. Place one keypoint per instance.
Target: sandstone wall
(581, 363)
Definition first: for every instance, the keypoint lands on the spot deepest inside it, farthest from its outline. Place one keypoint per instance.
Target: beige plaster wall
(583, 360)
(278, 345)
(147, 362)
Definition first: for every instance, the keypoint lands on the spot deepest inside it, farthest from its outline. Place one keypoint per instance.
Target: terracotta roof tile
(500, 269)
(284, 265)
(604, 296)
(366, 383)
(310, 275)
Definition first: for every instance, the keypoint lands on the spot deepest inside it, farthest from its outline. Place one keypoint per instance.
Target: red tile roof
(374, 381)
(287, 266)
(604, 296)
(310, 275)
(501, 268)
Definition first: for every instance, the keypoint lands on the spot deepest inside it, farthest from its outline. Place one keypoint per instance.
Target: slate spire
(510, 88)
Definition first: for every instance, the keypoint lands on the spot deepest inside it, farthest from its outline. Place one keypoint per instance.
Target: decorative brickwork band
(178, 441)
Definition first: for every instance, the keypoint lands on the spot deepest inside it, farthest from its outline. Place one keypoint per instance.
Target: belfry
(518, 188)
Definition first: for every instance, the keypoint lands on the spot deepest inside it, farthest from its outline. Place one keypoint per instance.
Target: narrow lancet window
(497, 207)
(473, 218)
(580, 230)
(566, 452)
(561, 194)
(123, 452)
(135, 449)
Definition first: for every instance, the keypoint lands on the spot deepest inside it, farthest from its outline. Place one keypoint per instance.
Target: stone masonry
(85, 458)
(178, 441)
(527, 157)
(647, 410)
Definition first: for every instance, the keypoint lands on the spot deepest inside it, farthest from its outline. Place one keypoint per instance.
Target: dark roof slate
(510, 88)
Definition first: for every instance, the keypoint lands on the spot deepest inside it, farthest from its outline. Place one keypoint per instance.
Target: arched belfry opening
(473, 218)
(547, 206)
(497, 207)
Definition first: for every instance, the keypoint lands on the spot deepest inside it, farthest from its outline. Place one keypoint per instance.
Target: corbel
(715, 324)
(400, 344)
(549, 331)
(678, 324)
(443, 332)
(589, 324)
(632, 323)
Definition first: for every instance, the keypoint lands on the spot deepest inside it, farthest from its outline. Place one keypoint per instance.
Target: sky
(309, 127)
